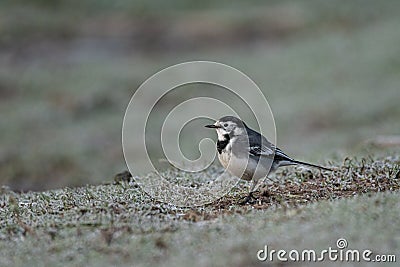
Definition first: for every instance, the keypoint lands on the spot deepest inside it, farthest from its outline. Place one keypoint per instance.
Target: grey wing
(261, 150)
(261, 147)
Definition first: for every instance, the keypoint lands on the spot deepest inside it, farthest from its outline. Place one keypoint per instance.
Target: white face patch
(229, 128)
(221, 132)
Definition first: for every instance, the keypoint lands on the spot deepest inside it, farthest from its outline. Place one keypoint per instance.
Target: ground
(118, 224)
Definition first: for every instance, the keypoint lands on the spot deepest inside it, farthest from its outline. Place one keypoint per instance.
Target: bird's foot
(249, 199)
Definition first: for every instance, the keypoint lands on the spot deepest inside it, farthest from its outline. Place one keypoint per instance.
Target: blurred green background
(330, 70)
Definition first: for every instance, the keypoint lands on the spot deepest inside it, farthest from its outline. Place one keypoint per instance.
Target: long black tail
(311, 165)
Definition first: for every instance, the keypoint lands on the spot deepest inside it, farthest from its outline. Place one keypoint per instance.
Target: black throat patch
(221, 144)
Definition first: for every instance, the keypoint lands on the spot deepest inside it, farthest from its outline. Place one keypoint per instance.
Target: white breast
(242, 167)
(224, 158)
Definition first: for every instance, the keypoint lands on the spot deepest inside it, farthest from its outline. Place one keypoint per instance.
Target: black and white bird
(247, 154)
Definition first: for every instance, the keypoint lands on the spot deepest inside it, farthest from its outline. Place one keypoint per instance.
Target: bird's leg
(250, 197)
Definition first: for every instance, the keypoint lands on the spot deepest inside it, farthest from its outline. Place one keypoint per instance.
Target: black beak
(212, 126)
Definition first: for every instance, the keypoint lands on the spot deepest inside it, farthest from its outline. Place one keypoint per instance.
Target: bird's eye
(225, 125)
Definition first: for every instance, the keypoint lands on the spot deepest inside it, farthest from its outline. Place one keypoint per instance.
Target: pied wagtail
(247, 154)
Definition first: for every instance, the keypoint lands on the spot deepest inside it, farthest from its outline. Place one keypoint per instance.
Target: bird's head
(228, 125)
